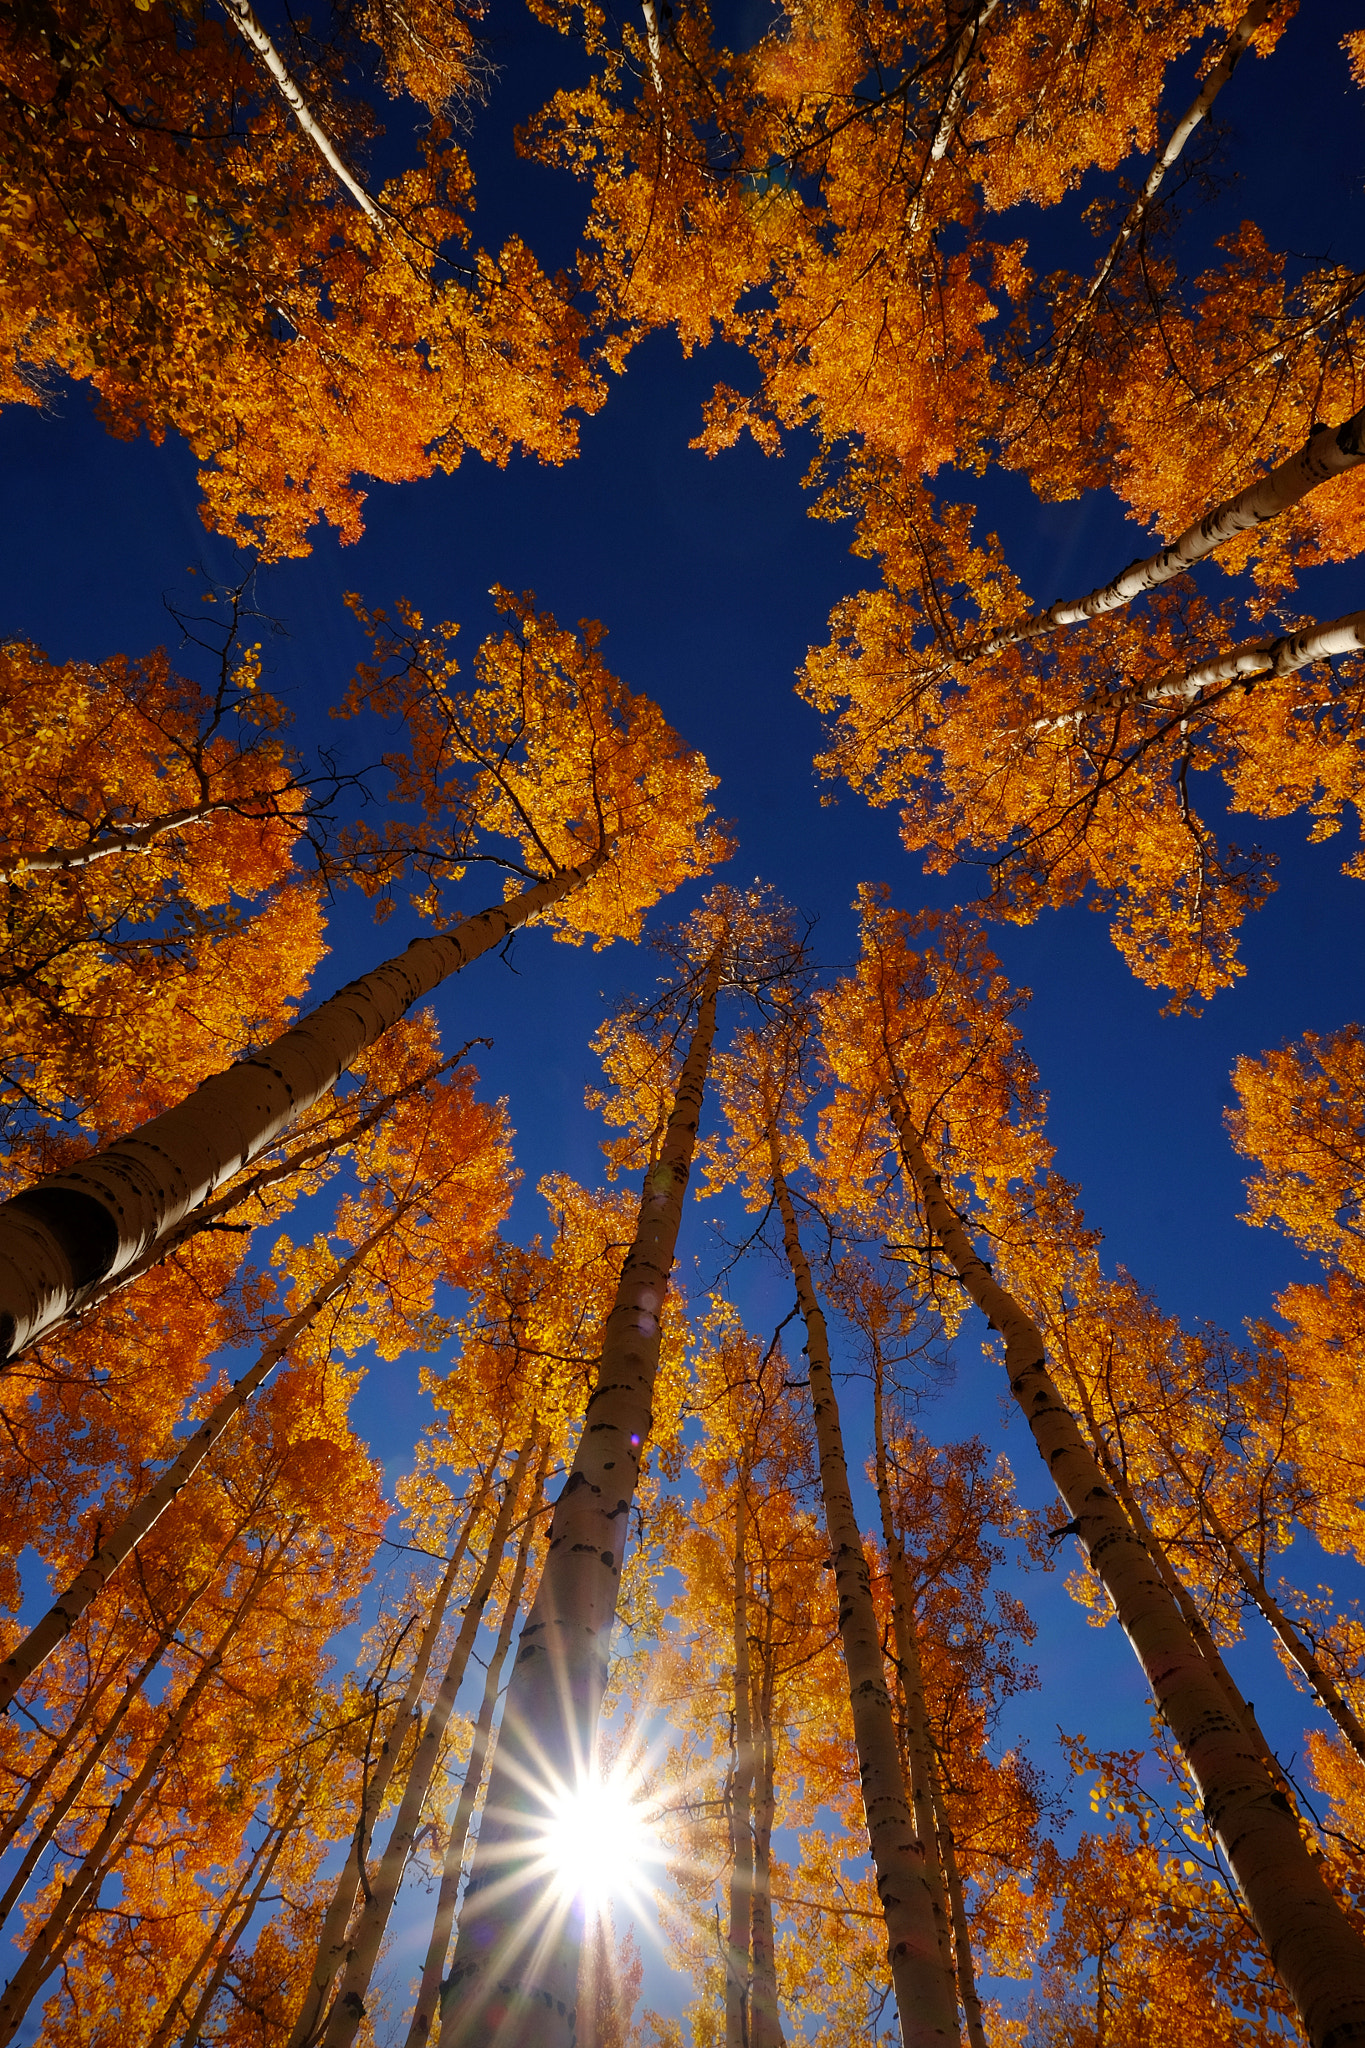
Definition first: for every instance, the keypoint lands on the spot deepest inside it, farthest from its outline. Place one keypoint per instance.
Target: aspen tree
(405, 1721)
(441, 1144)
(932, 1825)
(517, 1953)
(348, 2008)
(427, 2010)
(740, 1797)
(918, 1026)
(584, 742)
(54, 1936)
(765, 1092)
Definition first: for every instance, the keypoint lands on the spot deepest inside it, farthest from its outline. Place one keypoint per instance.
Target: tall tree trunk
(1180, 1593)
(65, 1743)
(1318, 1956)
(61, 1238)
(240, 1193)
(1328, 1693)
(765, 2010)
(256, 39)
(962, 1934)
(269, 1848)
(59, 860)
(925, 1997)
(427, 2012)
(331, 1949)
(349, 2009)
(741, 1795)
(81, 1774)
(919, 1741)
(52, 1940)
(63, 1615)
(513, 1975)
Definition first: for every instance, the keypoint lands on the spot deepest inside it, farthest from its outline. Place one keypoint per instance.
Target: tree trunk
(331, 1950)
(1181, 1595)
(765, 2010)
(349, 2009)
(924, 1994)
(1255, 661)
(59, 1930)
(962, 1935)
(61, 1238)
(58, 860)
(80, 1776)
(919, 1742)
(256, 39)
(513, 1975)
(1329, 1695)
(1318, 1956)
(741, 1794)
(63, 1615)
(241, 1192)
(427, 2012)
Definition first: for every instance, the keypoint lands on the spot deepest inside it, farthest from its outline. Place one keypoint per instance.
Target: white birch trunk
(1328, 452)
(515, 1972)
(60, 1239)
(257, 39)
(968, 1996)
(737, 1964)
(919, 1741)
(1329, 1694)
(1314, 1950)
(349, 2009)
(64, 1613)
(52, 1940)
(925, 1998)
(58, 860)
(331, 1950)
(765, 2009)
(426, 2015)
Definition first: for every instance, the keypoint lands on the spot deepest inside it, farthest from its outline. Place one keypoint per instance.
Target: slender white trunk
(64, 1613)
(52, 1940)
(962, 1935)
(427, 2011)
(961, 57)
(1329, 1694)
(737, 1965)
(331, 1949)
(257, 40)
(349, 2009)
(925, 1999)
(1328, 452)
(58, 860)
(515, 1972)
(765, 2009)
(919, 1741)
(61, 1238)
(1317, 1954)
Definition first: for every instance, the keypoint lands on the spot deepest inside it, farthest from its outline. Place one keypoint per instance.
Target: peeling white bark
(64, 1613)
(1316, 1953)
(65, 1237)
(257, 40)
(515, 1972)
(925, 1998)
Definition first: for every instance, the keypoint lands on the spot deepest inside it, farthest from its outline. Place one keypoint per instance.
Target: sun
(597, 1842)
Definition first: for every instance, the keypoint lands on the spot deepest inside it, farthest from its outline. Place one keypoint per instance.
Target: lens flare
(597, 1843)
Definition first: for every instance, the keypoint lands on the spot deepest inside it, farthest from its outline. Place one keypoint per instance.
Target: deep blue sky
(713, 582)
